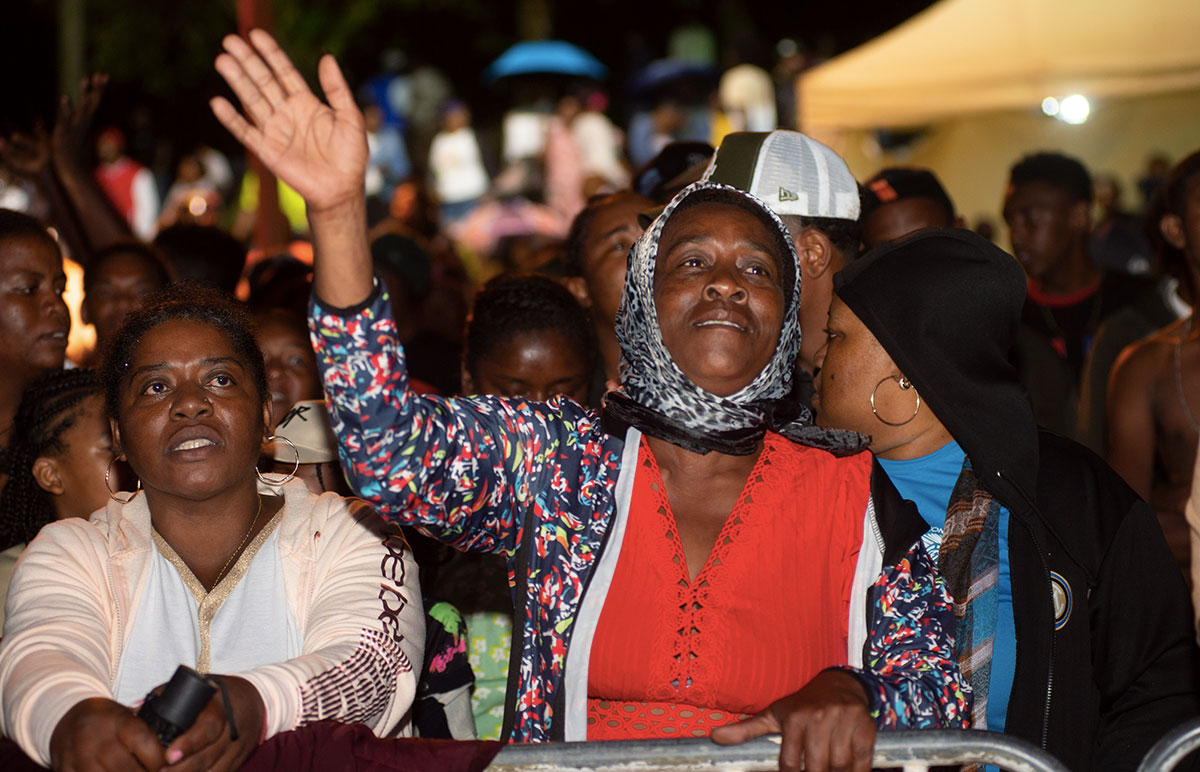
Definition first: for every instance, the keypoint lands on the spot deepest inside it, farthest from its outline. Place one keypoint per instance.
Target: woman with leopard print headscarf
(702, 556)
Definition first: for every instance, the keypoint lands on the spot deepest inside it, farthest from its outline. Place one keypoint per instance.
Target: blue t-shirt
(928, 482)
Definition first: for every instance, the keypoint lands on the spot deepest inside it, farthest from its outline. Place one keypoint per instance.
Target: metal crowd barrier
(1172, 748)
(911, 751)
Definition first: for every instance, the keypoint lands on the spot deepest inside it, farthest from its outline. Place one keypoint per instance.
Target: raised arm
(102, 224)
(466, 470)
(28, 156)
(319, 149)
(58, 164)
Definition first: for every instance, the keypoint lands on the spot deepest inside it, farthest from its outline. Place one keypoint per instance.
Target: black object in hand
(173, 712)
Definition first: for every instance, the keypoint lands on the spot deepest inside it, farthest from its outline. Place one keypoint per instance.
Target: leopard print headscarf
(660, 400)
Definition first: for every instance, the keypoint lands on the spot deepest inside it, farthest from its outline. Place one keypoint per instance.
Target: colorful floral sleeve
(462, 469)
(910, 671)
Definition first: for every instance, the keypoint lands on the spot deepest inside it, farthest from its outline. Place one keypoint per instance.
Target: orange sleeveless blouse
(767, 612)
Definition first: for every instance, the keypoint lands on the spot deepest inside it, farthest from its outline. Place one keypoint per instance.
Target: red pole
(271, 230)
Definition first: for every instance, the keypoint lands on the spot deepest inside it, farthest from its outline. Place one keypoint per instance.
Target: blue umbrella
(556, 57)
(668, 73)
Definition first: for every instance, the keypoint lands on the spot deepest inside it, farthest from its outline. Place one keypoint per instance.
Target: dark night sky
(461, 36)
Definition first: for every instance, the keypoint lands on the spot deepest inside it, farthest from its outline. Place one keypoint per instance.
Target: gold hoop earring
(905, 385)
(108, 484)
(265, 480)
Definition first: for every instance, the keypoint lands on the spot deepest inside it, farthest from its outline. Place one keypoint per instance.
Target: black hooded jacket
(1106, 660)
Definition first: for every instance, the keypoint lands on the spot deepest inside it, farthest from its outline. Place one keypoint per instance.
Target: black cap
(898, 183)
(678, 165)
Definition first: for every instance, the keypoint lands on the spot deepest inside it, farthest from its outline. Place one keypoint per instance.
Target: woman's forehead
(183, 340)
(841, 313)
(709, 215)
(126, 264)
(702, 219)
(27, 252)
(705, 210)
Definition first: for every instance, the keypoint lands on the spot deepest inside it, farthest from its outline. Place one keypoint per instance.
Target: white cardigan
(351, 586)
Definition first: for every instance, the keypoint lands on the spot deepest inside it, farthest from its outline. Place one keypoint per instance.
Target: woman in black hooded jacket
(1074, 623)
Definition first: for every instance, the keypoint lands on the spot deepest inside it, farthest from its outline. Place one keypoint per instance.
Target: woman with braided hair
(304, 607)
(61, 448)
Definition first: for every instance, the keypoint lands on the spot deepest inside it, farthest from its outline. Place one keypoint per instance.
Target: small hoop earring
(295, 467)
(107, 484)
(905, 385)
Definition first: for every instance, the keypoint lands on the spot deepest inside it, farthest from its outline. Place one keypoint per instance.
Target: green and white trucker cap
(792, 173)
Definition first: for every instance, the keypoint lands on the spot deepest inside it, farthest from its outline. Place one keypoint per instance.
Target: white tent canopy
(967, 56)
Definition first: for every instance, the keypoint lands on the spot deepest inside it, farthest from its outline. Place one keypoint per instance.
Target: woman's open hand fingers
(263, 78)
(337, 91)
(319, 150)
(239, 65)
(287, 77)
(234, 123)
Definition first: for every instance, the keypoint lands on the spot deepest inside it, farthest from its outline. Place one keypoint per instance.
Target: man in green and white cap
(812, 190)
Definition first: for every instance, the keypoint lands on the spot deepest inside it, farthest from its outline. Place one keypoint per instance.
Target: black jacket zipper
(1041, 552)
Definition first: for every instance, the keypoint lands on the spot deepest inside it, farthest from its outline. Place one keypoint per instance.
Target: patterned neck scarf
(659, 399)
(970, 562)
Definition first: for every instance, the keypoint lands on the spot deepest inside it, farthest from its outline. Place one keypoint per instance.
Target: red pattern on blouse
(766, 613)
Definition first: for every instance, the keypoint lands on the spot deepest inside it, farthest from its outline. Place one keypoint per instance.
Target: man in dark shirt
(1048, 210)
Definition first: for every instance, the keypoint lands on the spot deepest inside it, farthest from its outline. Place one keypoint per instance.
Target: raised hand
(69, 141)
(319, 150)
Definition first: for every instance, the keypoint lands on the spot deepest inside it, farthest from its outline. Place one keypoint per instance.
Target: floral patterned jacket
(539, 482)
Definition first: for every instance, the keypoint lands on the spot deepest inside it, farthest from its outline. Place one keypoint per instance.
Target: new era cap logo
(787, 195)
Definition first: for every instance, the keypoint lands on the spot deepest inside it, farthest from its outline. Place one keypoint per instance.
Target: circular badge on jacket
(1061, 592)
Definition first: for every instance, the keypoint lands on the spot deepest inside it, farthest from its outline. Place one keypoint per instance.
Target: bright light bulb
(1074, 109)
(1050, 106)
(197, 206)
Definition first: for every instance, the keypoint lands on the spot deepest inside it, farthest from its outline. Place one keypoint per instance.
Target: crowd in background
(505, 269)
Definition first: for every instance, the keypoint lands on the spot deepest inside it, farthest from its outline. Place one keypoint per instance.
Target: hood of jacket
(946, 306)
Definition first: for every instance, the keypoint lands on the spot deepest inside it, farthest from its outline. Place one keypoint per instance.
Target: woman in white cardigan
(307, 606)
